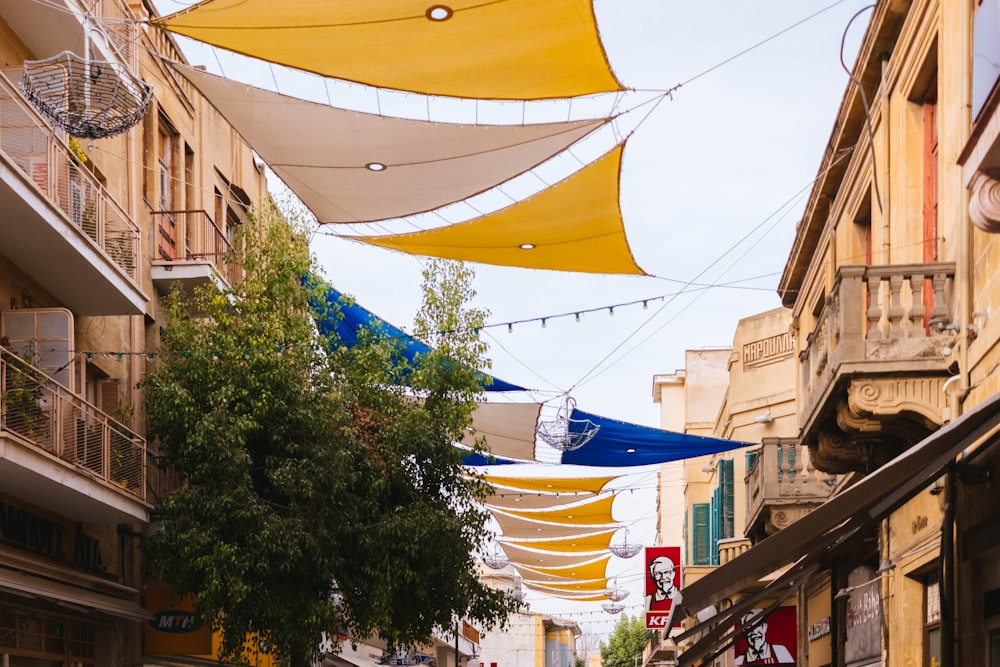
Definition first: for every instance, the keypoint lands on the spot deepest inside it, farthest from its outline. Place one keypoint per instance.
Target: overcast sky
(713, 184)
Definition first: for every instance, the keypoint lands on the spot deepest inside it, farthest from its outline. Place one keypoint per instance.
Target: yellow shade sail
(594, 512)
(516, 527)
(592, 569)
(551, 484)
(512, 49)
(574, 225)
(526, 558)
(596, 541)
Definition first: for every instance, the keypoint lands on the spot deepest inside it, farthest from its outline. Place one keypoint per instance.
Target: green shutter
(716, 523)
(727, 528)
(700, 534)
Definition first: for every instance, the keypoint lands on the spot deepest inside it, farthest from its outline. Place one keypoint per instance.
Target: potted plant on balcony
(22, 391)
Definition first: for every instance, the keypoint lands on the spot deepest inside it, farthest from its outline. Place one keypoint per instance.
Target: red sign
(663, 583)
(770, 640)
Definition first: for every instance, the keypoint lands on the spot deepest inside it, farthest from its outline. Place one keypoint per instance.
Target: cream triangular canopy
(326, 155)
(511, 499)
(513, 49)
(574, 225)
(508, 428)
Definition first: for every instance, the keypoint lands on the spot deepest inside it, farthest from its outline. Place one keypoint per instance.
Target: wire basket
(90, 99)
(625, 550)
(616, 594)
(496, 560)
(566, 434)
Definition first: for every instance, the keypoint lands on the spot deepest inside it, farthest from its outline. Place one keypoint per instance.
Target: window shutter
(727, 504)
(700, 534)
(715, 524)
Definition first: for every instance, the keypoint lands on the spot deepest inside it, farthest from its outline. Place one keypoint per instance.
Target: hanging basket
(89, 99)
(625, 550)
(566, 434)
(613, 607)
(616, 594)
(496, 560)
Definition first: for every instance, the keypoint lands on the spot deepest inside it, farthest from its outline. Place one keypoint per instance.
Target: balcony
(191, 250)
(60, 225)
(782, 486)
(660, 650)
(873, 368)
(60, 453)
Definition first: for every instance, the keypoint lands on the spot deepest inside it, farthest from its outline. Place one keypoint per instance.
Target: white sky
(713, 183)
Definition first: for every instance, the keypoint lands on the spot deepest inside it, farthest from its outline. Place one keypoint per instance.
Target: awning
(326, 154)
(517, 49)
(617, 443)
(337, 315)
(20, 583)
(807, 542)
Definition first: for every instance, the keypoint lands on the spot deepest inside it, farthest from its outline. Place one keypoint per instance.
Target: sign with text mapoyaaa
(663, 583)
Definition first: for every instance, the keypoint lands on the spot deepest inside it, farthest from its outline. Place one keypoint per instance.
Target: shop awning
(28, 585)
(806, 543)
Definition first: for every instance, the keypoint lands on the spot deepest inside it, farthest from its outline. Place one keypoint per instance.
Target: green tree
(322, 491)
(626, 642)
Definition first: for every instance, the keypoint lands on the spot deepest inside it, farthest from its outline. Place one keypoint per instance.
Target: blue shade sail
(354, 318)
(621, 444)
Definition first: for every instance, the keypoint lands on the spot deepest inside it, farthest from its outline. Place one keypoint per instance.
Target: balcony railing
(878, 318)
(40, 413)
(193, 235)
(732, 547)
(32, 145)
(782, 478)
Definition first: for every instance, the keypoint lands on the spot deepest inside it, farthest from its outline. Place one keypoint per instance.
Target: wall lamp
(765, 418)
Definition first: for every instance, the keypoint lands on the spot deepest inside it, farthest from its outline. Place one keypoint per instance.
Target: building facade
(95, 228)
(892, 293)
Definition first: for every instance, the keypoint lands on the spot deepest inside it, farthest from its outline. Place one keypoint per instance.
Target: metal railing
(42, 413)
(32, 145)
(193, 235)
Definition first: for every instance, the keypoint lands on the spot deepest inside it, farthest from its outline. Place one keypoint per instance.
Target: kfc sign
(663, 583)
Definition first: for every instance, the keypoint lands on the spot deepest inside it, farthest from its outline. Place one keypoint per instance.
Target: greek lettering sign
(767, 350)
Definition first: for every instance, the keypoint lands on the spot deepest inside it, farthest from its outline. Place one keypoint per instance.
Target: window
(932, 622)
(700, 551)
(39, 641)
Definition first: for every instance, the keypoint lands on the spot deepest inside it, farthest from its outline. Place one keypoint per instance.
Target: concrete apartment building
(887, 551)
(92, 232)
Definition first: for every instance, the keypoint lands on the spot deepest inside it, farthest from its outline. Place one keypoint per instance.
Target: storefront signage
(863, 615)
(767, 350)
(175, 621)
(663, 584)
(819, 629)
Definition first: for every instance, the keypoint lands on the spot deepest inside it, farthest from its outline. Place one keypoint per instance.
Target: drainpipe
(835, 606)
(947, 577)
